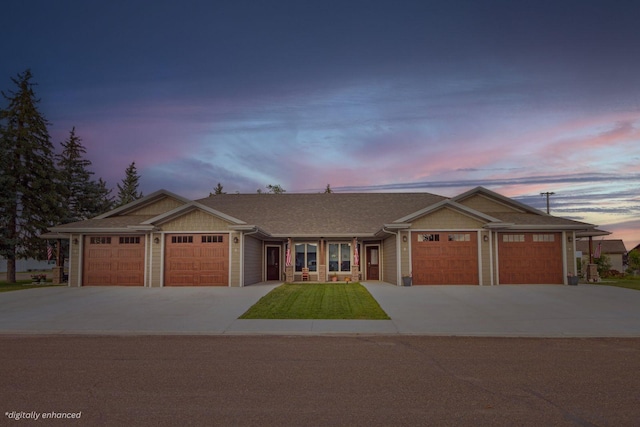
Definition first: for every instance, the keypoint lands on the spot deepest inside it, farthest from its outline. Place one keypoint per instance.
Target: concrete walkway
(524, 310)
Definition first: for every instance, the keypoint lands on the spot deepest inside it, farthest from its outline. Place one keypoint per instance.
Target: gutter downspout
(398, 260)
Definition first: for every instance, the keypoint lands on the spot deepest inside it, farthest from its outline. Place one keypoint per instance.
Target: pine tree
(218, 189)
(128, 191)
(328, 189)
(30, 201)
(84, 197)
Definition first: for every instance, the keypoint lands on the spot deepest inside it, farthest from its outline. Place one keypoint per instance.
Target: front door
(373, 263)
(273, 263)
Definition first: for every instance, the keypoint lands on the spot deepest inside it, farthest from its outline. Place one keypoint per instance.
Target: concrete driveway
(535, 310)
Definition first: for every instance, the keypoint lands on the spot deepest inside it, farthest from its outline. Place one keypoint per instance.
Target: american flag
(49, 252)
(356, 255)
(598, 250)
(287, 261)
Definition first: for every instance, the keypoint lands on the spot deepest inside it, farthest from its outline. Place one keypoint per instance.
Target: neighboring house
(613, 248)
(27, 265)
(476, 238)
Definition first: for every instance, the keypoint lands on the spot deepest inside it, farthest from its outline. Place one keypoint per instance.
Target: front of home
(476, 238)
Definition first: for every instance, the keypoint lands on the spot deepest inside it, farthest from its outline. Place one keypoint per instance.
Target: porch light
(235, 240)
(485, 238)
(156, 240)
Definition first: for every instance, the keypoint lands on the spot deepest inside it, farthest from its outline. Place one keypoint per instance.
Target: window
(465, 237)
(181, 239)
(428, 237)
(543, 238)
(511, 238)
(340, 257)
(100, 240)
(212, 239)
(306, 256)
(129, 240)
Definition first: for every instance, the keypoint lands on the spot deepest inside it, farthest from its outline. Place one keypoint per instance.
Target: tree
(275, 189)
(328, 189)
(83, 197)
(217, 190)
(30, 201)
(634, 260)
(128, 191)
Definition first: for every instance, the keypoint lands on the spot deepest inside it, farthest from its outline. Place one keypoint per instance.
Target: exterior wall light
(156, 240)
(404, 239)
(485, 238)
(235, 240)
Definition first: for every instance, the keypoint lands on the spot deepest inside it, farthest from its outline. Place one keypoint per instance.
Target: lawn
(21, 285)
(317, 301)
(628, 282)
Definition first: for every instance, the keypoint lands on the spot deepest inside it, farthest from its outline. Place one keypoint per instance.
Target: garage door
(444, 258)
(530, 258)
(196, 260)
(113, 260)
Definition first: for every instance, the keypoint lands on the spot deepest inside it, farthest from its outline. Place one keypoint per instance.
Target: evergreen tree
(83, 197)
(217, 190)
(30, 201)
(328, 189)
(128, 191)
(275, 189)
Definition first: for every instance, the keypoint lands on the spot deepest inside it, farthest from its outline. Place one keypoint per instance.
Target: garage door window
(100, 241)
(129, 240)
(428, 238)
(181, 239)
(212, 239)
(464, 237)
(543, 238)
(513, 238)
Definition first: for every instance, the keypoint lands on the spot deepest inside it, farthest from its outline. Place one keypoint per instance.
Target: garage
(444, 258)
(530, 258)
(196, 260)
(113, 260)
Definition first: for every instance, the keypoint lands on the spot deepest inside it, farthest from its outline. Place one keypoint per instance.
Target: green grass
(627, 282)
(21, 285)
(317, 301)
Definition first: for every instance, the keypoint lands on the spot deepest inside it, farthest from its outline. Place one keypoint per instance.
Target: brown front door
(373, 263)
(273, 263)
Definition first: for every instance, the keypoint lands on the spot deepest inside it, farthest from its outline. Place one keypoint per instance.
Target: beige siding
(389, 260)
(405, 257)
(158, 207)
(234, 254)
(486, 205)
(196, 221)
(446, 219)
(155, 260)
(75, 261)
(485, 259)
(252, 260)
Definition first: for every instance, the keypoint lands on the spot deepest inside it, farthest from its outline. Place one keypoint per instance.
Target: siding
(196, 221)
(389, 262)
(252, 260)
(159, 207)
(155, 260)
(486, 205)
(485, 260)
(75, 261)
(446, 219)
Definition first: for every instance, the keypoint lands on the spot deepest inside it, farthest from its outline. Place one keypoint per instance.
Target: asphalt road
(319, 381)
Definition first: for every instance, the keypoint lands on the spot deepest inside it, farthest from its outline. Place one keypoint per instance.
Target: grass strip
(317, 301)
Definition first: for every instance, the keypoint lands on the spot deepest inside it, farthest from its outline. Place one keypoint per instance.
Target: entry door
(373, 263)
(273, 263)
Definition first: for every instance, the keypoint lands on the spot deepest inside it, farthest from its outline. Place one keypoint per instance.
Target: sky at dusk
(521, 97)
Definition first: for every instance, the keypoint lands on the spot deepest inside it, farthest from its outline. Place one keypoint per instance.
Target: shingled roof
(320, 214)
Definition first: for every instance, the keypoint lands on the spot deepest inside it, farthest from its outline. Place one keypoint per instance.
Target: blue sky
(521, 97)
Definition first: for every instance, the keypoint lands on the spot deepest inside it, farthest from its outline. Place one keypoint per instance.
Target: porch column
(288, 266)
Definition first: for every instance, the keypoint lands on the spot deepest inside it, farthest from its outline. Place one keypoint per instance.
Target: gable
(485, 204)
(446, 219)
(158, 207)
(196, 220)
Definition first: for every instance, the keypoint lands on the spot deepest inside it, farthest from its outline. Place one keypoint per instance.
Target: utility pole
(548, 193)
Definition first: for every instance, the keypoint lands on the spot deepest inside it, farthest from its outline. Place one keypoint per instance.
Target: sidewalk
(523, 310)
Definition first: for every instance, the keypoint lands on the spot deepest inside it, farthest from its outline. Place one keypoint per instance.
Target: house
(614, 249)
(476, 238)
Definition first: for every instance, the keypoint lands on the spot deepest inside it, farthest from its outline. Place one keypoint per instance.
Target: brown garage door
(113, 260)
(445, 258)
(196, 260)
(530, 258)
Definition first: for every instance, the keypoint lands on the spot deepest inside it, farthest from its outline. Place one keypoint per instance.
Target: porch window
(340, 257)
(306, 256)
